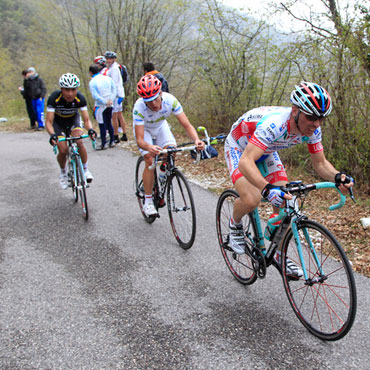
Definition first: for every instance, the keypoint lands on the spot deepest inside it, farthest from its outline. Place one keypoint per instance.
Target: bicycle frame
(290, 216)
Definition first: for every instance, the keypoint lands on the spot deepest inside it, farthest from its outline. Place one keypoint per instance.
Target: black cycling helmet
(110, 54)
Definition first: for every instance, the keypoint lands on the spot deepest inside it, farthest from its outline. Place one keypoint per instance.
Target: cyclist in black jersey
(63, 119)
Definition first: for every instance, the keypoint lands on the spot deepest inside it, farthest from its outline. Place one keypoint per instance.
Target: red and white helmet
(100, 60)
(149, 87)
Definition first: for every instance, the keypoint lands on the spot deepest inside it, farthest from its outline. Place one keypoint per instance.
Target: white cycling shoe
(292, 270)
(88, 175)
(237, 238)
(149, 210)
(63, 180)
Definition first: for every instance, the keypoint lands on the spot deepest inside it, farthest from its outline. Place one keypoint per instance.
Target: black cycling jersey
(65, 112)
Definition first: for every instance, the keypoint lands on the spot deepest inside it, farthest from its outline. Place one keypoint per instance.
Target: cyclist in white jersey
(151, 130)
(254, 164)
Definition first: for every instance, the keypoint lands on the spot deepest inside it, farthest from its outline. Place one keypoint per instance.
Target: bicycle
(180, 203)
(324, 298)
(76, 174)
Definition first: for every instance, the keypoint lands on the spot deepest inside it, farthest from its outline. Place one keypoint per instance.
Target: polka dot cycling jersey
(269, 129)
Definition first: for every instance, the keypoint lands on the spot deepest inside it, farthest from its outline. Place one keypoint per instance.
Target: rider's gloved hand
(346, 179)
(53, 139)
(92, 134)
(119, 100)
(274, 194)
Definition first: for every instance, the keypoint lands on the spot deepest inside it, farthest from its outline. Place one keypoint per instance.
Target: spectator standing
(104, 92)
(150, 69)
(28, 101)
(36, 90)
(101, 62)
(115, 73)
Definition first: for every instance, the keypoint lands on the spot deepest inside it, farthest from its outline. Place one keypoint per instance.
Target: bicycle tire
(81, 186)
(181, 209)
(240, 265)
(326, 307)
(139, 189)
(72, 179)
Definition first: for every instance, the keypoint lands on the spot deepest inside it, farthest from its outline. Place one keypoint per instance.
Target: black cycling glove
(53, 139)
(92, 133)
(338, 179)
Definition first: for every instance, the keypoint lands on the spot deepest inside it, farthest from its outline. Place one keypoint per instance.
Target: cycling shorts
(270, 165)
(161, 136)
(117, 107)
(65, 129)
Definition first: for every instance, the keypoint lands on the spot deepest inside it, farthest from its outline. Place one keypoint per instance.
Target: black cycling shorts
(65, 129)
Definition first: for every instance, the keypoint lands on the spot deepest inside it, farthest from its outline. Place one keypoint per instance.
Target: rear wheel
(139, 188)
(181, 209)
(240, 265)
(325, 300)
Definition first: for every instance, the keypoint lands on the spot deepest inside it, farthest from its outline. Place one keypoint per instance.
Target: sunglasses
(314, 118)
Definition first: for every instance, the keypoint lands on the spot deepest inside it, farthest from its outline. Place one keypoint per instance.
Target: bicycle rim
(326, 302)
(82, 191)
(139, 188)
(240, 265)
(72, 179)
(181, 209)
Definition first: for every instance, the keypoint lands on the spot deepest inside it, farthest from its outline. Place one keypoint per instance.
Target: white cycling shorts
(161, 136)
(117, 107)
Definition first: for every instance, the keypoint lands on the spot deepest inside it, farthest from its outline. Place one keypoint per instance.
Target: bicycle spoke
(181, 209)
(240, 265)
(325, 302)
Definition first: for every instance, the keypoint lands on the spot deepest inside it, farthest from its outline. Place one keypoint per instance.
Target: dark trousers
(31, 113)
(106, 125)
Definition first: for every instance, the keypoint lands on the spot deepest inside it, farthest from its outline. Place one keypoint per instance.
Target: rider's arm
(326, 170)
(247, 166)
(49, 122)
(190, 130)
(86, 119)
(139, 135)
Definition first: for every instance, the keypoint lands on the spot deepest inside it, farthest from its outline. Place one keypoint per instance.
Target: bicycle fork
(321, 277)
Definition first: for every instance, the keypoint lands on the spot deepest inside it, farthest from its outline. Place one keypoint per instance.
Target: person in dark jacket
(36, 90)
(150, 69)
(31, 113)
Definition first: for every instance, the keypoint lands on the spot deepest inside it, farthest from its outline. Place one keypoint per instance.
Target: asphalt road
(117, 293)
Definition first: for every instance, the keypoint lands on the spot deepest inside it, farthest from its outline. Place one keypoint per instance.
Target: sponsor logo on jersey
(271, 133)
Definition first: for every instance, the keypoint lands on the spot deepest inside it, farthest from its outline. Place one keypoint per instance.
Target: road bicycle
(76, 174)
(180, 203)
(324, 298)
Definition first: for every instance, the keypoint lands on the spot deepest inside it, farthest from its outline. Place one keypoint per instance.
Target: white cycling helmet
(69, 81)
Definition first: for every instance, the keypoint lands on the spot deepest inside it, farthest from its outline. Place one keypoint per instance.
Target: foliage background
(218, 61)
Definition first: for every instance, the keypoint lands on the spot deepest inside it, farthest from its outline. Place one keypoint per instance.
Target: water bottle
(270, 229)
(162, 174)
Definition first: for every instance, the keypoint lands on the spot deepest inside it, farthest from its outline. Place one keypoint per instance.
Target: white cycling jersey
(269, 129)
(151, 120)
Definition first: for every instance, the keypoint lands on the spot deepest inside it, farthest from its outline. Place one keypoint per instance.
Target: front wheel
(81, 186)
(324, 298)
(241, 266)
(139, 189)
(72, 179)
(181, 209)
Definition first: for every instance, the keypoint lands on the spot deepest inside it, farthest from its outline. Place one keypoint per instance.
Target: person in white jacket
(115, 73)
(104, 92)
